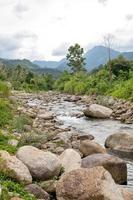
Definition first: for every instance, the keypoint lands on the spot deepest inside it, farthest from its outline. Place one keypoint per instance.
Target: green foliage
(5, 112)
(20, 121)
(98, 82)
(14, 188)
(4, 89)
(121, 67)
(4, 143)
(75, 58)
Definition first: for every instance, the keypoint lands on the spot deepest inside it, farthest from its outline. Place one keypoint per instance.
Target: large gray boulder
(97, 111)
(88, 184)
(116, 167)
(42, 165)
(70, 160)
(14, 168)
(121, 143)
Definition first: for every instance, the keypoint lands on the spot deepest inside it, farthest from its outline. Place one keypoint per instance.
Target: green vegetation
(5, 113)
(4, 145)
(98, 83)
(23, 79)
(13, 188)
(19, 122)
(75, 58)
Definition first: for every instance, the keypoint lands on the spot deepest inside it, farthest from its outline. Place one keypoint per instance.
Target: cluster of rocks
(68, 176)
(121, 109)
(57, 163)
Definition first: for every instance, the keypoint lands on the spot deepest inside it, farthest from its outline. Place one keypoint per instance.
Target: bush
(5, 113)
(20, 122)
(4, 144)
(14, 188)
(4, 89)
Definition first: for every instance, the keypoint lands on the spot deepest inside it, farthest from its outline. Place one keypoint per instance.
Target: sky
(44, 29)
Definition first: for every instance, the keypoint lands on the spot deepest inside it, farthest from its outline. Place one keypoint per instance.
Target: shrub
(4, 144)
(4, 89)
(14, 188)
(20, 122)
(5, 113)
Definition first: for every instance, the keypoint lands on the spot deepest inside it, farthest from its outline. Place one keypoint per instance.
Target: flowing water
(100, 129)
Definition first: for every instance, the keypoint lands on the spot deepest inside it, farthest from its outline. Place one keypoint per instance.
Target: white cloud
(20, 9)
(61, 50)
(50, 24)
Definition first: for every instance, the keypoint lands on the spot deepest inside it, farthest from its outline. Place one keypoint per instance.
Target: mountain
(94, 58)
(128, 55)
(13, 63)
(46, 64)
(51, 64)
(99, 56)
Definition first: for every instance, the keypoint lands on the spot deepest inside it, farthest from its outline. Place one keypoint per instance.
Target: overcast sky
(44, 29)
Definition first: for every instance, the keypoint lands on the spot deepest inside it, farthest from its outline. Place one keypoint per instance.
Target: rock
(46, 116)
(14, 168)
(42, 165)
(85, 137)
(121, 144)
(88, 147)
(37, 191)
(13, 142)
(126, 194)
(49, 185)
(70, 160)
(72, 98)
(114, 165)
(88, 184)
(98, 111)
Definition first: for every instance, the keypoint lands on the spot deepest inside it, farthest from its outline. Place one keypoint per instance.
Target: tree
(108, 40)
(75, 58)
(121, 67)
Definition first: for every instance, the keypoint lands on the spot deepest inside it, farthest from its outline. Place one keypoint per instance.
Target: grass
(14, 188)
(4, 144)
(5, 112)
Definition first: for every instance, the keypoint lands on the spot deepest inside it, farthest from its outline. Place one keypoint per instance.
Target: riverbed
(100, 129)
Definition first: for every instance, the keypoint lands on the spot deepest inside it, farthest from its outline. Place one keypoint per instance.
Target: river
(100, 129)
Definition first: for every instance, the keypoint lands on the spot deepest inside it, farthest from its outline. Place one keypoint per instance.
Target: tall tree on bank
(108, 41)
(75, 58)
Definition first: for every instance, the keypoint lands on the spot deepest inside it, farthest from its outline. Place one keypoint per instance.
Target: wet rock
(72, 98)
(127, 195)
(94, 184)
(116, 167)
(98, 111)
(70, 160)
(37, 191)
(49, 185)
(14, 168)
(121, 144)
(88, 147)
(46, 116)
(85, 137)
(42, 165)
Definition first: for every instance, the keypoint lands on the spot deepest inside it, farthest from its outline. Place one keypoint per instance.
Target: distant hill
(95, 57)
(98, 56)
(13, 63)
